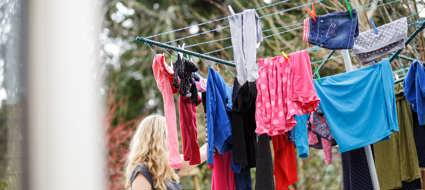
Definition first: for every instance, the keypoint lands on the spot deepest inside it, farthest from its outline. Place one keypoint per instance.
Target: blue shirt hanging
(218, 103)
(299, 134)
(360, 105)
(414, 89)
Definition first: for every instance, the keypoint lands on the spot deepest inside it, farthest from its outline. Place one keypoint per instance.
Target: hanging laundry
(396, 159)
(285, 162)
(355, 170)
(359, 105)
(264, 179)
(320, 135)
(184, 78)
(243, 124)
(370, 46)
(284, 89)
(189, 131)
(246, 33)
(162, 74)
(332, 31)
(218, 103)
(222, 174)
(419, 133)
(243, 179)
(414, 89)
(299, 135)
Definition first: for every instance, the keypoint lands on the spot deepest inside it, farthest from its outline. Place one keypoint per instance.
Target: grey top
(246, 33)
(370, 46)
(142, 170)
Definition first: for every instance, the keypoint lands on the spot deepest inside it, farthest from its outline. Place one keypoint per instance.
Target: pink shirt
(161, 72)
(284, 89)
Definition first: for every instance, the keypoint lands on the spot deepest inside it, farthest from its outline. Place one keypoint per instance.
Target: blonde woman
(147, 164)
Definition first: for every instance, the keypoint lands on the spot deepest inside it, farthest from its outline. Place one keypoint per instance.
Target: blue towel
(414, 89)
(359, 106)
(218, 103)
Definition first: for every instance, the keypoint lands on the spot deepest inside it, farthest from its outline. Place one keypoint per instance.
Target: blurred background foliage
(130, 88)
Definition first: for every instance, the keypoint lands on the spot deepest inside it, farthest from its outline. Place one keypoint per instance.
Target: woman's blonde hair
(148, 147)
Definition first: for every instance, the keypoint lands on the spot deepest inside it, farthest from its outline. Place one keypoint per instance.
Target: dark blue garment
(359, 105)
(218, 103)
(334, 30)
(299, 134)
(243, 179)
(414, 89)
(355, 170)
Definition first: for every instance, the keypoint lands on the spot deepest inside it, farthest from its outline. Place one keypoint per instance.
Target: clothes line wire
(166, 46)
(228, 38)
(214, 20)
(270, 29)
(163, 45)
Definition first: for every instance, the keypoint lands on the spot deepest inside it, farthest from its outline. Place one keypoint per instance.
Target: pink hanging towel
(162, 74)
(284, 89)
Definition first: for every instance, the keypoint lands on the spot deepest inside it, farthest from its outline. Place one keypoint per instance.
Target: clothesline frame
(149, 41)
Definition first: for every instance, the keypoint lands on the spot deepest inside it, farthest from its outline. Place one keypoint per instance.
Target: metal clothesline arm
(163, 45)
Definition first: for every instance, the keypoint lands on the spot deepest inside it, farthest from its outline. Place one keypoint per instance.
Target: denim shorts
(334, 30)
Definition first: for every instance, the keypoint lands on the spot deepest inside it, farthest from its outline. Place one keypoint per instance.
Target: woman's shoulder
(144, 171)
(141, 170)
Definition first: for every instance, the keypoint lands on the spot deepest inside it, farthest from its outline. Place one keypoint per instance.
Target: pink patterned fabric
(161, 73)
(284, 89)
(327, 150)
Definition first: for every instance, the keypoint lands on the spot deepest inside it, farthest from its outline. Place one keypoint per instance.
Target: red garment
(189, 131)
(285, 162)
(223, 177)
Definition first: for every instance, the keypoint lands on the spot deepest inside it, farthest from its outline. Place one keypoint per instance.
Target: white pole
(66, 139)
(368, 151)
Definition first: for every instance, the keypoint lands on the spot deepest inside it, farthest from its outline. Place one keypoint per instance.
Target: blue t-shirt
(414, 89)
(300, 135)
(359, 105)
(218, 102)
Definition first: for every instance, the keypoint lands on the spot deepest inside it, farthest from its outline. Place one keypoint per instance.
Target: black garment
(355, 170)
(242, 119)
(413, 185)
(142, 170)
(419, 134)
(184, 78)
(264, 174)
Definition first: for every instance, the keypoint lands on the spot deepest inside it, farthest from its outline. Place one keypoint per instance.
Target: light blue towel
(359, 106)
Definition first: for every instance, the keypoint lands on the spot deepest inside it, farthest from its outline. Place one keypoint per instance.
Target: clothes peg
(285, 55)
(232, 12)
(312, 12)
(348, 4)
(372, 22)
